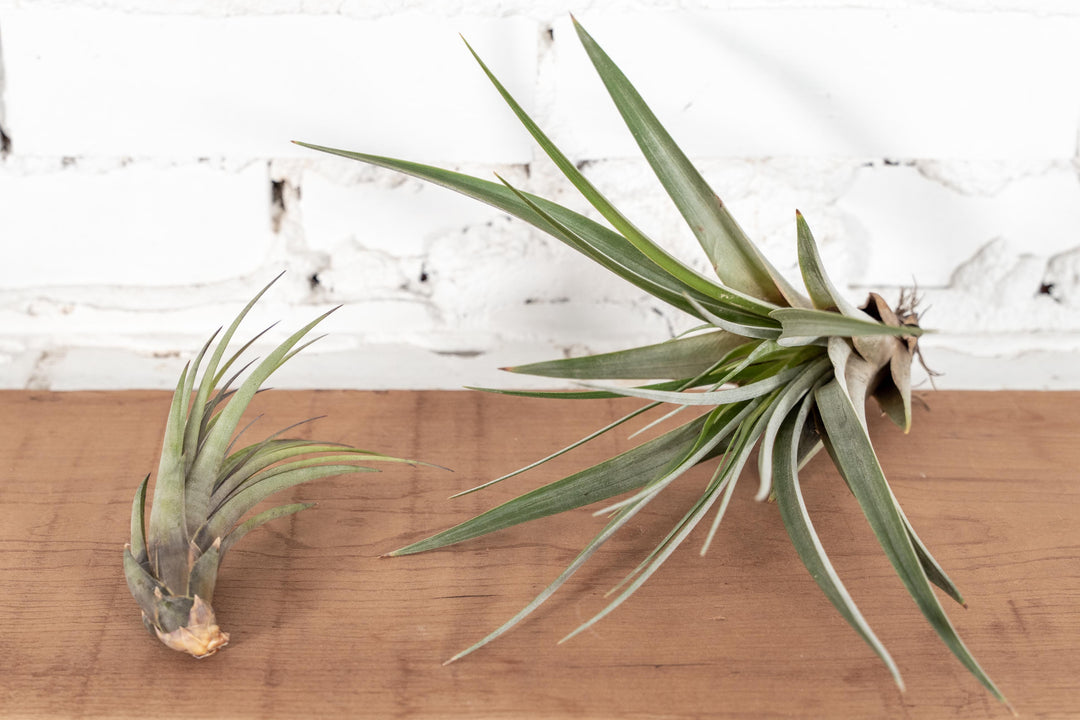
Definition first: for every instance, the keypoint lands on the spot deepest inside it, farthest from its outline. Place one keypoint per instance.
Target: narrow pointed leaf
(720, 425)
(738, 263)
(204, 573)
(261, 519)
(894, 395)
(760, 330)
(627, 471)
(210, 376)
(205, 471)
(258, 467)
(754, 427)
(590, 238)
(612, 527)
(138, 523)
(563, 451)
(800, 324)
(678, 358)
(785, 403)
(672, 385)
(166, 534)
(823, 293)
(141, 583)
(718, 397)
(934, 572)
(854, 456)
(627, 229)
(225, 517)
(736, 308)
(804, 537)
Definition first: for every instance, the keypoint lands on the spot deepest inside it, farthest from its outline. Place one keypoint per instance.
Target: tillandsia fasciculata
(777, 370)
(205, 486)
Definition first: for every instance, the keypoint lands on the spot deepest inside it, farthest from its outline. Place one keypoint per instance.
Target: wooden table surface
(322, 627)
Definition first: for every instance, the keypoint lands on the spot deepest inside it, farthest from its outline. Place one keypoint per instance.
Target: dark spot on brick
(1046, 288)
(277, 204)
(553, 301)
(277, 194)
(314, 282)
(5, 143)
(459, 353)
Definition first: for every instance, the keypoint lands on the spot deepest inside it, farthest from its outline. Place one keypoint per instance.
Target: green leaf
(138, 523)
(257, 466)
(934, 571)
(894, 394)
(549, 394)
(627, 471)
(759, 330)
(340, 458)
(851, 451)
(234, 507)
(612, 527)
(749, 426)
(690, 457)
(718, 397)
(822, 291)
(563, 451)
(207, 467)
(720, 424)
(166, 534)
(203, 577)
(603, 245)
(803, 324)
(736, 309)
(261, 519)
(576, 394)
(800, 529)
(210, 378)
(791, 394)
(738, 263)
(678, 358)
(140, 582)
(659, 556)
(627, 229)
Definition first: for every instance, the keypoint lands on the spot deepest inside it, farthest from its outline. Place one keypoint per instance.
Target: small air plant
(770, 367)
(204, 487)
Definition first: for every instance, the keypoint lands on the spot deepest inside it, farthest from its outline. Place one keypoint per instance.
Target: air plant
(205, 487)
(771, 368)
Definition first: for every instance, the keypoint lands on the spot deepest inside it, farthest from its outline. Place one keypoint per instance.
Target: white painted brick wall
(148, 186)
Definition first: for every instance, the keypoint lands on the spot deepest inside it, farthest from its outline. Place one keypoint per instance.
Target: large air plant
(778, 371)
(205, 486)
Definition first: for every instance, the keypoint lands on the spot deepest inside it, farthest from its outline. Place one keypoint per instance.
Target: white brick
(135, 224)
(793, 98)
(1029, 369)
(917, 228)
(905, 82)
(101, 82)
(398, 218)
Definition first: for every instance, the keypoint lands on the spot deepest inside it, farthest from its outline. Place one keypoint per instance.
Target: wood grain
(323, 627)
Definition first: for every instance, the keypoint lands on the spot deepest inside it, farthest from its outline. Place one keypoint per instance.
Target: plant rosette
(772, 368)
(205, 487)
